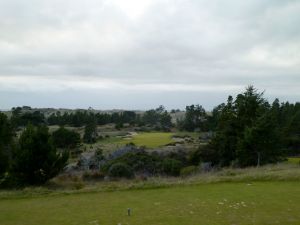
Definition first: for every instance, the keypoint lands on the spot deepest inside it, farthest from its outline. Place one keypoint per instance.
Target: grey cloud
(177, 42)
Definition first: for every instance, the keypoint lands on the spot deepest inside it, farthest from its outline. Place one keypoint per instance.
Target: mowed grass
(150, 140)
(215, 204)
(294, 160)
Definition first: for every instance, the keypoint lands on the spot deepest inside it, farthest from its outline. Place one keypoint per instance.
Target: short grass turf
(150, 140)
(215, 204)
(294, 160)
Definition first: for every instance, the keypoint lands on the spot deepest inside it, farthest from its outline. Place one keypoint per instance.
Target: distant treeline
(156, 117)
(194, 118)
(245, 131)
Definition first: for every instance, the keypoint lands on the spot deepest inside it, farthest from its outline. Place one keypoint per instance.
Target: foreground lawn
(220, 203)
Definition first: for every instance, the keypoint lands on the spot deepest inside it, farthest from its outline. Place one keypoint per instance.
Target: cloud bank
(139, 54)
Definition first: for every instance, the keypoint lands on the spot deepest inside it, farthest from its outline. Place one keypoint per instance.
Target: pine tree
(36, 160)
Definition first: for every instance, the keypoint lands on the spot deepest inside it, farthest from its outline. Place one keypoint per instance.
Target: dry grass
(67, 184)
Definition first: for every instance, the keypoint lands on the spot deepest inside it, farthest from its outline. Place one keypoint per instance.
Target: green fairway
(150, 140)
(222, 203)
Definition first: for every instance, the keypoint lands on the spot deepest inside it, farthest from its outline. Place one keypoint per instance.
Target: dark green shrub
(118, 126)
(179, 155)
(64, 138)
(171, 166)
(189, 170)
(195, 157)
(205, 153)
(120, 170)
(140, 161)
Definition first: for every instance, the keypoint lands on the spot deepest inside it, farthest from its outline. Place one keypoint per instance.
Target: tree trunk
(258, 159)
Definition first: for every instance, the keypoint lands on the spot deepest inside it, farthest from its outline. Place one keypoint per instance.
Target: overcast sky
(138, 54)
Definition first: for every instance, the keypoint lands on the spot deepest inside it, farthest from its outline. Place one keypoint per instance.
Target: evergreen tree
(6, 135)
(247, 131)
(159, 118)
(225, 141)
(64, 138)
(90, 132)
(165, 121)
(36, 160)
(195, 117)
(212, 120)
(260, 143)
(291, 134)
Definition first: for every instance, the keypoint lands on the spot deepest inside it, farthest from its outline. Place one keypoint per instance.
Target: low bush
(204, 153)
(189, 170)
(93, 175)
(140, 161)
(150, 163)
(120, 170)
(171, 166)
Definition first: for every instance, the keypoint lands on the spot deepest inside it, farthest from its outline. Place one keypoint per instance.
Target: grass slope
(222, 203)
